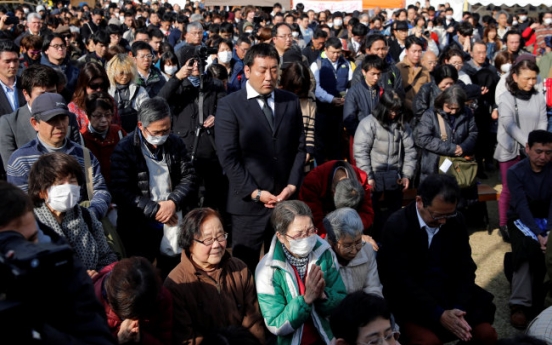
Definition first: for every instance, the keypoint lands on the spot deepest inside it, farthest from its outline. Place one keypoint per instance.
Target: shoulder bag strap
(442, 128)
(516, 112)
(88, 173)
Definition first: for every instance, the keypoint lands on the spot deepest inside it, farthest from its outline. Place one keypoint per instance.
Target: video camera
(201, 53)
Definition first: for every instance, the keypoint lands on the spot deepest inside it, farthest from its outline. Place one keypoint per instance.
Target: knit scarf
(74, 229)
(524, 95)
(299, 263)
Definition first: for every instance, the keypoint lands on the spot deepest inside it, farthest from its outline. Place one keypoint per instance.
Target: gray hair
(153, 109)
(285, 212)
(342, 222)
(348, 193)
(33, 15)
(503, 12)
(194, 25)
(196, 18)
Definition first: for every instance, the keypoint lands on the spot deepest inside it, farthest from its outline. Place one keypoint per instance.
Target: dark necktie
(267, 110)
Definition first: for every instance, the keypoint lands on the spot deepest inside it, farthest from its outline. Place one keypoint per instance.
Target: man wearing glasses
(149, 76)
(427, 271)
(54, 53)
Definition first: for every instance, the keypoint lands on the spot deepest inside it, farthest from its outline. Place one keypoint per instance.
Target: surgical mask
(515, 22)
(364, 23)
(505, 68)
(547, 21)
(302, 247)
(249, 32)
(338, 22)
(224, 57)
(25, 10)
(170, 70)
(329, 24)
(523, 18)
(295, 34)
(448, 16)
(63, 197)
(157, 140)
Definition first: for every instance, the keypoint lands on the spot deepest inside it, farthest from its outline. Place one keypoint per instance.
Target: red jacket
(157, 330)
(316, 192)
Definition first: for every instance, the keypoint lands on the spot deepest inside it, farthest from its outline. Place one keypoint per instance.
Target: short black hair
(443, 72)
(357, 310)
(509, 33)
(539, 136)
(333, 42)
(48, 40)
(319, 33)
(261, 50)
(156, 33)
(38, 75)
(140, 45)
(465, 29)
(439, 184)
(8, 46)
(449, 9)
(413, 40)
(359, 29)
(372, 61)
(371, 39)
(226, 28)
(277, 26)
(101, 36)
(14, 203)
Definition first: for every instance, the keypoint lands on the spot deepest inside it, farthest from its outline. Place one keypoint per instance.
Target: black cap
(49, 105)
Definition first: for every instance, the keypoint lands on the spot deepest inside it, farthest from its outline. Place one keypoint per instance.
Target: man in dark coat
(261, 147)
(428, 273)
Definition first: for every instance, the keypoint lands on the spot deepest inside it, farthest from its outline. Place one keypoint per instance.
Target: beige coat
(413, 79)
(362, 272)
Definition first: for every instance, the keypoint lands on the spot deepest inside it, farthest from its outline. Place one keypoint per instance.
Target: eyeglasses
(306, 234)
(349, 247)
(156, 133)
(444, 216)
(96, 87)
(390, 338)
(33, 52)
(285, 37)
(146, 57)
(209, 241)
(458, 64)
(58, 46)
(98, 116)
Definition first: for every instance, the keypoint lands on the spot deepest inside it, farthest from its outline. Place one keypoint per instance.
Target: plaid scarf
(299, 263)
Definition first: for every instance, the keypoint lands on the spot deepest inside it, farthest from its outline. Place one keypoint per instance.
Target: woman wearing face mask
(128, 96)
(297, 37)
(182, 93)
(503, 64)
(55, 182)
(521, 110)
(169, 64)
(224, 54)
(298, 283)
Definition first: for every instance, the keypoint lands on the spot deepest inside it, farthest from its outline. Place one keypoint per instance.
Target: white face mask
(157, 140)
(364, 23)
(515, 22)
(523, 18)
(338, 22)
(329, 24)
(249, 32)
(170, 70)
(505, 68)
(63, 197)
(295, 34)
(547, 21)
(224, 57)
(448, 16)
(303, 246)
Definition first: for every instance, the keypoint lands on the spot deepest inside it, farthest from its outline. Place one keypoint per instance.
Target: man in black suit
(261, 147)
(427, 271)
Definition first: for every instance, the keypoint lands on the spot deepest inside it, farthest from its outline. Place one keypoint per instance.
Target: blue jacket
(361, 100)
(22, 160)
(237, 80)
(71, 73)
(334, 81)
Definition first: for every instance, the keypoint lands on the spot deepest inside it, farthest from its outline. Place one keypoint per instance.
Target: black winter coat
(424, 99)
(183, 98)
(130, 189)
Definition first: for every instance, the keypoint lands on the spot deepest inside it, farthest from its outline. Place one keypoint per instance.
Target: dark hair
(261, 50)
(445, 71)
(478, 42)
(439, 184)
(389, 100)
(96, 100)
(372, 61)
(142, 31)
(509, 33)
(38, 75)
(48, 40)
(285, 212)
(319, 33)
(156, 33)
(333, 42)
(232, 335)
(113, 29)
(465, 29)
(217, 71)
(133, 288)
(511, 85)
(371, 39)
(452, 95)
(521, 339)
(450, 53)
(295, 78)
(101, 36)
(412, 40)
(449, 9)
(169, 56)
(277, 26)
(226, 28)
(228, 42)
(191, 226)
(539, 136)
(140, 45)
(14, 203)
(8, 46)
(355, 311)
(47, 169)
(502, 57)
(89, 72)
(28, 42)
(214, 28)
(359, 29)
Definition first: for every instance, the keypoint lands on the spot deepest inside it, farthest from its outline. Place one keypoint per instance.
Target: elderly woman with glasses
(210, 288)
(356, 261)
(298, 283)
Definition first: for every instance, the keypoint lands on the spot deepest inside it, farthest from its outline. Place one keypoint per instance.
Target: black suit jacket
(403, 261)
(5, 107)
(252, 155)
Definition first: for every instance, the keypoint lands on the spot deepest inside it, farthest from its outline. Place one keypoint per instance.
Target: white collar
(252, 93)
(423, 223)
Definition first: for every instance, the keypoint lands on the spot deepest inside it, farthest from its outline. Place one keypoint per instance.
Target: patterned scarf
(74, 229)
(299, 263)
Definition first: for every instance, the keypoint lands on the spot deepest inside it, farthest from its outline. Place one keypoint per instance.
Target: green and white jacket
(284, 309)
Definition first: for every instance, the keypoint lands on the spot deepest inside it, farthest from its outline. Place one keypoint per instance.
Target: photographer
(63, 311)
(182, 91)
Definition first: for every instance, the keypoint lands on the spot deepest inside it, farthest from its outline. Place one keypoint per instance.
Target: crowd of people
(231, 176)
